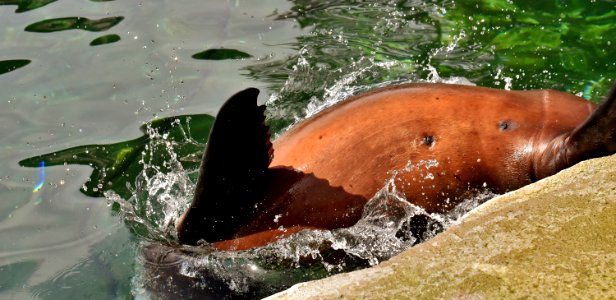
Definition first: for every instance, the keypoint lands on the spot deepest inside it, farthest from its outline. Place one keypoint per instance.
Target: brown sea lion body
(438, 143)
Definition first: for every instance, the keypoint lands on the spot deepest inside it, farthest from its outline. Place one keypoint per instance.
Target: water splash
(499, 76)
(160, 192)
(442, 53)
(349, 81)
(344, 88)
(388, 226)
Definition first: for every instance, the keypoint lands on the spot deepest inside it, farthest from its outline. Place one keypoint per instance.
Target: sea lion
(439, 143)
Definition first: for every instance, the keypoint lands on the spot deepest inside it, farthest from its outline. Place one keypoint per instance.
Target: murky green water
(78, 72)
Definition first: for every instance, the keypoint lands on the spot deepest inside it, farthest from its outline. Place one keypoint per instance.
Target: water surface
(78, 72)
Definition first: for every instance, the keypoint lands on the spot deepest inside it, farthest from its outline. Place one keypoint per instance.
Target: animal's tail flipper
(595, 137)
(232, 174)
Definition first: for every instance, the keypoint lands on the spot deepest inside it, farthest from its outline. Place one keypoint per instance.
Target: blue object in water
(40, 184)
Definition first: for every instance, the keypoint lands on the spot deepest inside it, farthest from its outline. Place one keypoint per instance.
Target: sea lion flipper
(232, 173)
(595, 137)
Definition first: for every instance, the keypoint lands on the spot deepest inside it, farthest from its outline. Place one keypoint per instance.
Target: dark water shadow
(104, 274)
(221, 54)
(15, 274)
(69, 23)
(105, 39)
(220, 276)
(12, 65)
(26, 5)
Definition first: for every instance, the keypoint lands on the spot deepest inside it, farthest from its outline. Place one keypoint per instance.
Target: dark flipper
(232, 174)
(595, 137)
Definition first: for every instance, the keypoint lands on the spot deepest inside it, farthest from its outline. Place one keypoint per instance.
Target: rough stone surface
(553, 239)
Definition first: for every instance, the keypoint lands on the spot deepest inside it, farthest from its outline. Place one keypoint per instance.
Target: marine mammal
(440, 142)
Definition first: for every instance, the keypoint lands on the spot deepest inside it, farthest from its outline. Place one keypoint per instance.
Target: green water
(86, 75)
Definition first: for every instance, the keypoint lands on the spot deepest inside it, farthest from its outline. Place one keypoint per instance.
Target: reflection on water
(311, 54)
(105, 39)
(561, 45)
(26, 5)
(12, 65)
(69, 23)
(145, 178)
(221, 54)
(108, 268)
(116, 165)
(60, 24)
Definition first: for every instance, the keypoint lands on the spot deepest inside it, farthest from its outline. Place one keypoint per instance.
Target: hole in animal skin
(428, 140)
(505, 125)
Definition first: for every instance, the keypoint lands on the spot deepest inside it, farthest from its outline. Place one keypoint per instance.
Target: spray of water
(160, 192)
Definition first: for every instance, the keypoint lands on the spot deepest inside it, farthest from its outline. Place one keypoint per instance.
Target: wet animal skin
(439, 143)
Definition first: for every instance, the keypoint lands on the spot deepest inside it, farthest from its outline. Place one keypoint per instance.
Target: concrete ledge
(553, 239)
